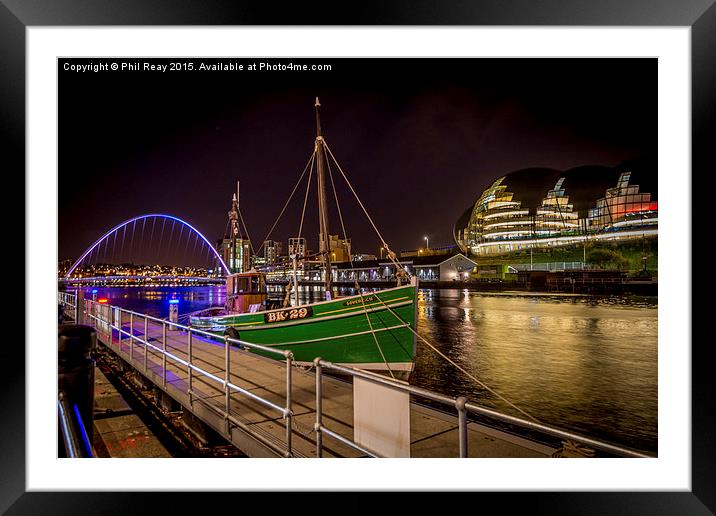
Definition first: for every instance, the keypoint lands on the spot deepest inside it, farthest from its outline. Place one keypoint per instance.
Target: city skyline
(409, 133)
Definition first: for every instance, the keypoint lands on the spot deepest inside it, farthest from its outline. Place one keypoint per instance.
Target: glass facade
(503, 221)
(240, 259)
(297, 246)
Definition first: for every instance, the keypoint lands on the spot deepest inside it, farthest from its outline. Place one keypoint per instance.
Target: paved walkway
(433, 434)
(118, 431)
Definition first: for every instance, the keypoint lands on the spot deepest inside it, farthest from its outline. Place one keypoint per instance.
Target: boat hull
(372, 332)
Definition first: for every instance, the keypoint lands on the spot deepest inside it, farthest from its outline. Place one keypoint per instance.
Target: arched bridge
(171, 245)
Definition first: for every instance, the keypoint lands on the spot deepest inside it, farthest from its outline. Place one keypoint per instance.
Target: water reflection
(585, 364)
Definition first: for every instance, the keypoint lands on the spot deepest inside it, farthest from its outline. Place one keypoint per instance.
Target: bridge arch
(140, 217)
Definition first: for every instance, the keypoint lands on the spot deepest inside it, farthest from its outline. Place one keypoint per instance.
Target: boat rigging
(370, 331)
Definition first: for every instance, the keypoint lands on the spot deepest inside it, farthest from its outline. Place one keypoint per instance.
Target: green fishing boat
(370, 330)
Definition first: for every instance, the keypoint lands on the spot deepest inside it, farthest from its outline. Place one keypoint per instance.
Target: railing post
(164, 353)
(146, 341)
(462, 425)
(319, 407)
(81, 304)
(110, 322)
(289, 413)
(227, 379)
(188, 368)
(77, 307)
(119, 329)
(131, 337)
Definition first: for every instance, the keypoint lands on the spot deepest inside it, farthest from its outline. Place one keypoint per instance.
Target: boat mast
(324, 239)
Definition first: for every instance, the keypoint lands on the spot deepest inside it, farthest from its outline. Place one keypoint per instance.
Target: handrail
(115, 321)
(201, 332)
(462, 406)
(74, 435)
(69, 300)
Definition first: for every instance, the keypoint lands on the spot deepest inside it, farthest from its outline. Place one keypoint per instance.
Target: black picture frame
(700, 15)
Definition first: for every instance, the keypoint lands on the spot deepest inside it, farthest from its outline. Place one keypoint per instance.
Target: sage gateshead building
(542, 208)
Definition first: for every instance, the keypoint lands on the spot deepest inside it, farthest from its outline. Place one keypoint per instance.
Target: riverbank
(560, 285)
(574, 282)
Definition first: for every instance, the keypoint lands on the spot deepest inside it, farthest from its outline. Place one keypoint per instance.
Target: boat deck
(433, 433)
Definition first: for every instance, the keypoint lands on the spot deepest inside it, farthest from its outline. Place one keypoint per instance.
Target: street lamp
(427, 243)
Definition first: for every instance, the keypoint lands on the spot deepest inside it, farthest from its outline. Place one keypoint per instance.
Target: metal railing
(550, 266)
(69, 303)
(72, 430)
(462, 406)
(109, 318)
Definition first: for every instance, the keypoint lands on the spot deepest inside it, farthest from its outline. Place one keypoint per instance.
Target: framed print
(105, 107)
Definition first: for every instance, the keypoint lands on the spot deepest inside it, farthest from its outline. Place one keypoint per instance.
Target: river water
(584, 364)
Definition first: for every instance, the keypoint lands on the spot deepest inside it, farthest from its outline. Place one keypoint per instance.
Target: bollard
(173, 313)
(76, 370)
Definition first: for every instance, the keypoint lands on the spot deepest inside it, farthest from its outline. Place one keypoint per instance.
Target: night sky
(419, 138)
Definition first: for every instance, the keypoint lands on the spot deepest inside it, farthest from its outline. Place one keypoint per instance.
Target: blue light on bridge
(173, 301)
(94, 290)
(124, 224)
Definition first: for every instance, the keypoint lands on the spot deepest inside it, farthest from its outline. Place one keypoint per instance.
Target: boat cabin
(246, 292)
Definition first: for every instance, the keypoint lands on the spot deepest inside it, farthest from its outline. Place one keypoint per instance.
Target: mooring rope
(460, 368)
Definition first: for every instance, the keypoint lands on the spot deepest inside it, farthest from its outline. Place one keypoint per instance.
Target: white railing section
(459, 403)
(109, 319)
(68, 301)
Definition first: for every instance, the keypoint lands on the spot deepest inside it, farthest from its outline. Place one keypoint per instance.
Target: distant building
(363, 257)
(340, 248)
(272, 249)
(297, 246)
(238, 261)
(437, 267)
(432, 251)
(538, 208)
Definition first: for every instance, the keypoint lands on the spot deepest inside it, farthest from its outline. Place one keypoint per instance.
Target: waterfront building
(432, 251)
(538, 208)
(340, 248)
(297, 246)
(238, 261)
(438, 267)
(272, 249)
(364, 257)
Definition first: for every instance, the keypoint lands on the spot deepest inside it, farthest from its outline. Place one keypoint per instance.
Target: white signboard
(381, 419)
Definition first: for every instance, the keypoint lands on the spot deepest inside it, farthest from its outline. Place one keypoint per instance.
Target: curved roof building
(543, 207)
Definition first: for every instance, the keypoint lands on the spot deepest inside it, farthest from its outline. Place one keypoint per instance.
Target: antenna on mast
(324, 247)
(318, 118)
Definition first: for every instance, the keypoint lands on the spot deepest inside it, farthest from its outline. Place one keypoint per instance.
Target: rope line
(391, 254)
(251, 245)
(310, 160)
(350, 256)
(305, 198)
(340, 215)
(460, 368)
